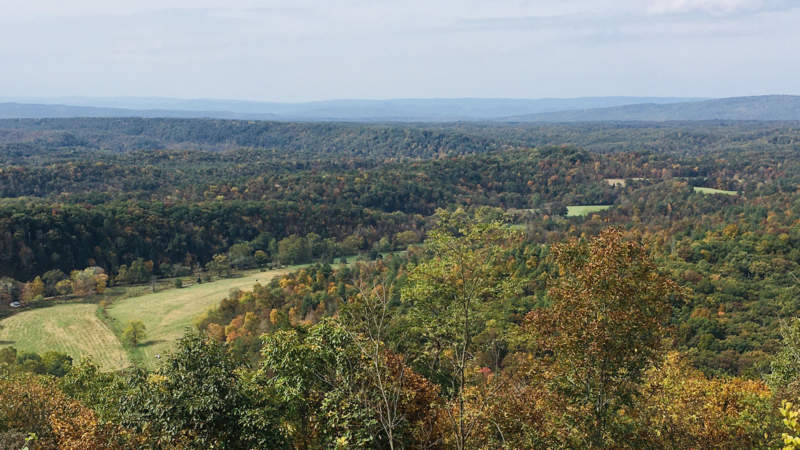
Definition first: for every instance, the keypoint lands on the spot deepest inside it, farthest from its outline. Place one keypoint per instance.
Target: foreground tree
(315, 374)
(368, 315)
(450, 295)
(327, 391)
(199, 400)
(784, 376)
(603, 328)
(682, 408)
(37, 407)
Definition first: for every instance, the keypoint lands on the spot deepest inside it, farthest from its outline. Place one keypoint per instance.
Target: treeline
(292, 140)
(50, 363)
(41, 236)
(675, 138)
(335, 140)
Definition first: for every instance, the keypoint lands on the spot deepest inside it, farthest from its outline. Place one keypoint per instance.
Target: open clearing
(76, 329)
(705, 190)
(167, 314)
(73, 329)
(576, 211)
(620, 181)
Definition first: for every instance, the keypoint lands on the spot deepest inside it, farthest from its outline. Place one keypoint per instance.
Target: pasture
(705, 190)
(72, 328)
(585, 210)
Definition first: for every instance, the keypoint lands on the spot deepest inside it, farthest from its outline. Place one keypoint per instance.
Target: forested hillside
(292, 140)
(520, 286)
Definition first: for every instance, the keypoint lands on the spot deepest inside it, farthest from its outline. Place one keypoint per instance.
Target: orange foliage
(682, 408)
(34, 406)
(235, 329)
(216, 332)
(516, 408)
(419, 403)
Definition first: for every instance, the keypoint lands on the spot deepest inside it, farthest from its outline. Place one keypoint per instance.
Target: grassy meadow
(74, 329)
(585, 210)
(705, 190)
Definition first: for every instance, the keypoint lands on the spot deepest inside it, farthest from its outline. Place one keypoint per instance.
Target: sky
(302, 50)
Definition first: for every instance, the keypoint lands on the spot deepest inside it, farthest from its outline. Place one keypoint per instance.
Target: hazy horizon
(348, 99)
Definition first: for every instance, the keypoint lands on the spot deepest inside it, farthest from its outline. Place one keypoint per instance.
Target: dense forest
(491, 315)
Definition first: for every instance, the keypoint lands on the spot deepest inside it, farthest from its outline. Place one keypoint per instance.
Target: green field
(76, 329)
(584, 210)
(705, 190)
(73, 329)
(167, 314)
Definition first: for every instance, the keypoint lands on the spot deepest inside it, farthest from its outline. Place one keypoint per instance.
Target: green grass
(705, 190)
(72, 328)
(584, 210)
(167, 314)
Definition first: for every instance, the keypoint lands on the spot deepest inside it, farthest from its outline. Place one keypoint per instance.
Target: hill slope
(29, 136)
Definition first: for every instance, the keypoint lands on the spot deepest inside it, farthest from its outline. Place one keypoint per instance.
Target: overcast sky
(297, 50)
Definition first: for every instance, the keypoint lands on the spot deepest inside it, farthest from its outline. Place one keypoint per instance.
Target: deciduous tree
(450, 293)
(134, 332)
(603, 328)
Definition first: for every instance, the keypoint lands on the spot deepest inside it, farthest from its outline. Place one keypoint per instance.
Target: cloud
(719, 7)
(628, 21)
(611, 28)
(312, 49)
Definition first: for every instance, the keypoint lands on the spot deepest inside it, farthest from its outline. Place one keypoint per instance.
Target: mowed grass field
(583, 210)
(167, 314)
(73, 329)
(705, 190)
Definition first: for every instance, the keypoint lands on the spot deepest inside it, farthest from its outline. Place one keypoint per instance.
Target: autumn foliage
(58, 421)
(602, 329)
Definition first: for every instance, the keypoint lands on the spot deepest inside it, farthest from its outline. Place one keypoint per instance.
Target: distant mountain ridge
(587, 109)
(758, 108)
(401, 110)
(13, 110)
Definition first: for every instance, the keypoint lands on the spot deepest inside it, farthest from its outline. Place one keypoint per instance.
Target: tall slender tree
(451, 292)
